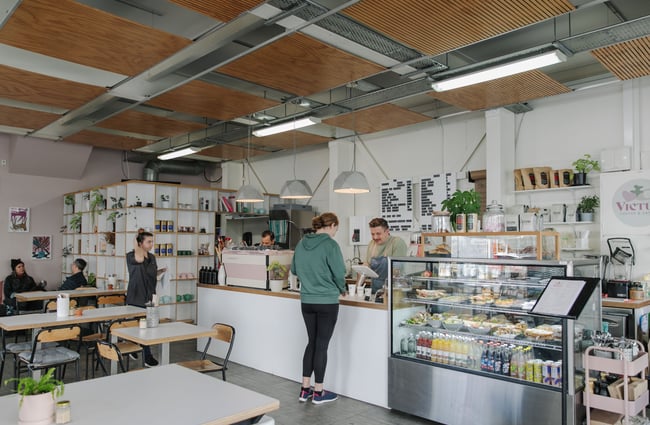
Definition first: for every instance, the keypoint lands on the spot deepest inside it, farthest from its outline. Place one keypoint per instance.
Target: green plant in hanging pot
(584, 166)
(96, 205)
(37, 397)
(587, 207)
(462, 202)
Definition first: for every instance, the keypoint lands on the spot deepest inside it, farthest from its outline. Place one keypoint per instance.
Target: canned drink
(157, 226)
(470, 223)
(546, 372)
(530, 370)
(170, 225)
(537, 370)
(163, 225)
(460, 223)
(156, 249)
(556, 374)
(170, 249)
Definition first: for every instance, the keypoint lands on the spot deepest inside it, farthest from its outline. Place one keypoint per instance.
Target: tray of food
(456, 299)
(430, 294)
(452, 323)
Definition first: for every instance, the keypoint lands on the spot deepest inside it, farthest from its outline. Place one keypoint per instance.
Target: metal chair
(44, 358)
(225, 334)
(125, 348)
(106, 350)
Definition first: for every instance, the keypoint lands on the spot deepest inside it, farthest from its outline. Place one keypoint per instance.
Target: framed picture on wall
(41, 247)
(18, 219)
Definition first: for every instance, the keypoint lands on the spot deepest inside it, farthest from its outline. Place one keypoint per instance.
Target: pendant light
(295, 189)
(248, 192)
(352, 182)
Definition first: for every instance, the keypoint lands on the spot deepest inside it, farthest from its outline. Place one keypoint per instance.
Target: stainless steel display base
(457, 398)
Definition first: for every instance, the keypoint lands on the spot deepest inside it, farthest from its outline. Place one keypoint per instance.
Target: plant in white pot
(37, 400)
(277, 275)
(164, 200)
(587, 207)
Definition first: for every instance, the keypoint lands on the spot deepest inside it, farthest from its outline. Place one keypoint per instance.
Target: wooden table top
(168, 394)
(625, 302)
(41, 320)
(51, 295)
(163, 333)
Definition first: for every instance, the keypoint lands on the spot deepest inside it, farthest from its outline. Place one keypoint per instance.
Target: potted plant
(277, 275)
(117, 202)
(461, 203)
(164, 200)
(96, 204)
(37, 397)
(138, 201)
(583, 166)
(68, 200)
(92, 279)
(587, 206)
(113, 216)
(75, 223)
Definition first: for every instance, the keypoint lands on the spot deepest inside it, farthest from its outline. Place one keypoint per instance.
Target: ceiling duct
(152, 169)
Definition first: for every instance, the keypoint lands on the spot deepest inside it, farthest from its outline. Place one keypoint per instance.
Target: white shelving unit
(620, 366)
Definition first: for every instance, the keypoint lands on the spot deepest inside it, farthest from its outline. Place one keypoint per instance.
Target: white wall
(43, 196)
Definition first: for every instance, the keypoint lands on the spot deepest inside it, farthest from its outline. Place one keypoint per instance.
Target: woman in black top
(19, 281)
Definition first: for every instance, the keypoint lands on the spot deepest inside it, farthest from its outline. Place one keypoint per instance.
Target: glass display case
(466, 348)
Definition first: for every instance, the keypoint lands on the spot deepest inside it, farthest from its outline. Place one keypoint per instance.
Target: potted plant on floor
(587, 206)
(583, 166)
(277, 275)
(461, 204)
(37, 398)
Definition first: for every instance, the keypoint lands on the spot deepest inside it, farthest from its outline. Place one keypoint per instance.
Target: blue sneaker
(323, 397)
(305, 394)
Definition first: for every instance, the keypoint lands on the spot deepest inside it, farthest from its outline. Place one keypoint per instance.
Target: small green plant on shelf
(588, 204)
(92, 279)
(46, 384)
(117, 202)
(462, 202)
(138, 201)
(164, 197)
(277, 271)
(75, 223)
(586, 164)
(69, 200)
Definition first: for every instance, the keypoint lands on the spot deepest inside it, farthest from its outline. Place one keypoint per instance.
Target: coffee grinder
(619, 272)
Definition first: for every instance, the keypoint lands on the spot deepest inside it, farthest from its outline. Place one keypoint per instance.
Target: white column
(500, 155)
(631, 116)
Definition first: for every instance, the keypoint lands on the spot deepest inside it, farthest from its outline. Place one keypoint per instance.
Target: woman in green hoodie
(318, 263)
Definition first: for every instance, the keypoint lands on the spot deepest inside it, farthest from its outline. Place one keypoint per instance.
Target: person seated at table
(77, 278)
(19, 281)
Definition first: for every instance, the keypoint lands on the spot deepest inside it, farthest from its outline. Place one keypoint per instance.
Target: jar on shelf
(440, 222)
(494, 219)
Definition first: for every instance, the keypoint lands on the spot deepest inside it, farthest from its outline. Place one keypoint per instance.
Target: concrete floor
(344, 411)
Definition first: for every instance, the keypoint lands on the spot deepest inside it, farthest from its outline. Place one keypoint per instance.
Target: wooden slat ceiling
(68, 30)
(24, 118)
(300, 65)
(504, 91)
(439, 26)
(207, 100)
(235, 153)
(626, 60)
(379, 118)
(285, 140)
(108, 141)
(222, 10)
(142, 123)
(31, 87)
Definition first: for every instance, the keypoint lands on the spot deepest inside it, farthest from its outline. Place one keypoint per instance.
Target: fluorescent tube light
(500, 71)
(287, 126)
(181, 152)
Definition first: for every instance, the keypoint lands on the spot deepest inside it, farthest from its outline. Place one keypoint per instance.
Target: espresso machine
(619, 270)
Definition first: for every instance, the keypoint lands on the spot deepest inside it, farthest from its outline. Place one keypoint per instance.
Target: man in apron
(382, 246)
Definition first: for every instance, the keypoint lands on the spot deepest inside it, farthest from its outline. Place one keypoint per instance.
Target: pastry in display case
(463, 329)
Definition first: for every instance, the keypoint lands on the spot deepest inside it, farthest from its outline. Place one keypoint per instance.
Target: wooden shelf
(554, 189)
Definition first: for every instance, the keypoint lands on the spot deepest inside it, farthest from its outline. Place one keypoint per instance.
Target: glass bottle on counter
(494, 219)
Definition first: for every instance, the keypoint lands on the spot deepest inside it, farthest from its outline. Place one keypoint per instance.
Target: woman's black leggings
(320, 320)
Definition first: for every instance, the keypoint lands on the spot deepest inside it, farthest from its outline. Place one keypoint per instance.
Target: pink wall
(43, 196)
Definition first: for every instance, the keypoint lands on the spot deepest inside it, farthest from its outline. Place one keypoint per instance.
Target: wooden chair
(126, 348)
(45, 358)
(106, 350)
(104, 300)
(51, 306)
(225, 334)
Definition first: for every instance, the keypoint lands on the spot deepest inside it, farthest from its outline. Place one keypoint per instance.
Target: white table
(42, 320)
(162, 395)
(163, 334)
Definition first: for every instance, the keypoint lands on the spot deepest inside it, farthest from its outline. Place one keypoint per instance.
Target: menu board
(565, 296)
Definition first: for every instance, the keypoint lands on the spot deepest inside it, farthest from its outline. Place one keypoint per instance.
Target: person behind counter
(77, 278)
(19, 281)
(381, 246)
(268, 240)
(318, 263)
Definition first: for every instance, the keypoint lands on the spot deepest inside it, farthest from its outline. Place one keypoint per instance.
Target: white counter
(271, 337)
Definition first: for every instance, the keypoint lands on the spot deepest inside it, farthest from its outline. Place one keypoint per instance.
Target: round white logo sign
(631, 203)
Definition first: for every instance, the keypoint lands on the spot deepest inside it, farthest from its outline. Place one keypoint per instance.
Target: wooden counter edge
(293, 295)
(625, 302)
